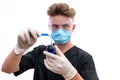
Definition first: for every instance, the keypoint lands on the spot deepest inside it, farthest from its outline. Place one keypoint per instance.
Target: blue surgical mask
(61, 36)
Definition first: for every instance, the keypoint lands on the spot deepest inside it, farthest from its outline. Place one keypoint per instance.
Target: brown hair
(61, 9)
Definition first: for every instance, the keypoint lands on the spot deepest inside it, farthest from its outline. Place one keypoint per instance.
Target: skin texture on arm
(77, 77)
(11, 63)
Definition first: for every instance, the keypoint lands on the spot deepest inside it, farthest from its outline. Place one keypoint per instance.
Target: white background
(97, 31)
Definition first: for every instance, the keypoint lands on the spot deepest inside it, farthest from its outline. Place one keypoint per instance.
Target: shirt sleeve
(88, 70)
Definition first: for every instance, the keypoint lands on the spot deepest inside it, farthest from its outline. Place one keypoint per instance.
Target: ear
(73, 28)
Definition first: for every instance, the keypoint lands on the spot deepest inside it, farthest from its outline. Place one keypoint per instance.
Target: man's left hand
(59, 64)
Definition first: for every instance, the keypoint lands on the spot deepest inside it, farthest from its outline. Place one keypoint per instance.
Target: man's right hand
(25, 40)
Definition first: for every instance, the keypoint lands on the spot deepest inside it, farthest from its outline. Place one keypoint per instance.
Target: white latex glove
(59, 64)
(25, 40)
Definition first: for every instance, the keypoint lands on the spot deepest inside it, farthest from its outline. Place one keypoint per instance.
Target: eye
(66, 26)
(55, 26)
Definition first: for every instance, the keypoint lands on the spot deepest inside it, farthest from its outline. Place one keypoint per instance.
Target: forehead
(59, 19)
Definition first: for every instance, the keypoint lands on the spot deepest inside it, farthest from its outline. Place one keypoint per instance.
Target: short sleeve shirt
(80, 59)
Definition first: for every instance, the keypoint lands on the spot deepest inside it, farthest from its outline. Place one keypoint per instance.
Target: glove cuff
(18, 50)
(70, 74)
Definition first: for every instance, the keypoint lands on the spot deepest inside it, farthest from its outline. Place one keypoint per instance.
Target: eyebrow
(62, 24)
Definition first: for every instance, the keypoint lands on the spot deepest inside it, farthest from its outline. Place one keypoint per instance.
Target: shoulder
(82, 55)
(77, 54)
(80, 51)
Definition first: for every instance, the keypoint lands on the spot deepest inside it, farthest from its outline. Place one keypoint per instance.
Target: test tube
(50, 48)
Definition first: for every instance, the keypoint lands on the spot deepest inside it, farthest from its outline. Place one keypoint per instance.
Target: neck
(65, 47)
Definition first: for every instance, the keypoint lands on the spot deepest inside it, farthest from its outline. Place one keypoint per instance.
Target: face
(61, 22)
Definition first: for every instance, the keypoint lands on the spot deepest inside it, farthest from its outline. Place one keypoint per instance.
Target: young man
(69, 62)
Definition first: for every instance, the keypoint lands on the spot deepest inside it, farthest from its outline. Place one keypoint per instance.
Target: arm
(59, 64)
(77, 77)
(25, 40)
(11, 63)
